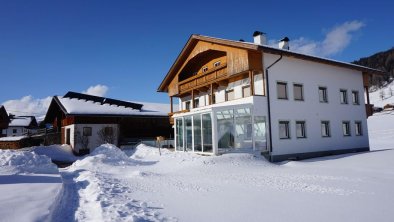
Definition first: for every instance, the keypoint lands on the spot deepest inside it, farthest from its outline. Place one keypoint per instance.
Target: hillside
(381, 60)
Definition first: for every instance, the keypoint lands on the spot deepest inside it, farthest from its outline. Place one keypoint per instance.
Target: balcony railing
(203, 79)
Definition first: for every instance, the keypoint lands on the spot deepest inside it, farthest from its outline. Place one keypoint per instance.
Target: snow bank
(56, 152)
(107, 154)
(26, 162)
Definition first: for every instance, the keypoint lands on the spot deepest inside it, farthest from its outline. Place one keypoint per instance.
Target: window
(300, 129)
(298, 92)
(355, 99)
(196, 103)
(323, 95)
(282, 90)
(284, 130)
(343, 96)
(216, 64)
(245, 91)
(204, 69)
(346, 128)
(325, 128)
(108, 131)
(187, 105)
(229, 95)
(359, 129)
(14, 131)
(87, 131)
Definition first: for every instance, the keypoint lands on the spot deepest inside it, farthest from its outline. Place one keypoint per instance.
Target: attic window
(216, 64)
(204, 69)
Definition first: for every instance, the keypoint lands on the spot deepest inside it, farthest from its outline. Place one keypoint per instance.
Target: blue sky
(50, 47)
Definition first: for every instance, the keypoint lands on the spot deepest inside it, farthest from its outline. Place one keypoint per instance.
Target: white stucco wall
(20, 131)
(94, 140)
(312, 75)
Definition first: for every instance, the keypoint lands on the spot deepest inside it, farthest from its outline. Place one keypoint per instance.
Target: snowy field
(141, 185)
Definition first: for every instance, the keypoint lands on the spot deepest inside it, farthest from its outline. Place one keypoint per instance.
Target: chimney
(284, 43)
(259, 38)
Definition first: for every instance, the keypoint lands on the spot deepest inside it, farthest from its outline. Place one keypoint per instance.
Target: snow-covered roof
(24, 121)
(12, 138)
(87, 107)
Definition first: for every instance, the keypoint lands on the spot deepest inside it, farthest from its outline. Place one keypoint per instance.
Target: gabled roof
(77, 104)
(192, 41)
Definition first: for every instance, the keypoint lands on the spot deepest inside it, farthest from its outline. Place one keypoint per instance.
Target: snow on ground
(62, 153)
(29, 186)
(141, 185)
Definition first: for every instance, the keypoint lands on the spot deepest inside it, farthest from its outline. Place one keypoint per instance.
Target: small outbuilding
(85, 121)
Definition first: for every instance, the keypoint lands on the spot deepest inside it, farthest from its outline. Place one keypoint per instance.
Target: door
(68, 133)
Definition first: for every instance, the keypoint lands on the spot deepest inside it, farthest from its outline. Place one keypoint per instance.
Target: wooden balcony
(369, 109)
(172, 114)
(200, 80)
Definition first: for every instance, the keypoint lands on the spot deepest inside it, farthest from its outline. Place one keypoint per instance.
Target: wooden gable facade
(206, 63)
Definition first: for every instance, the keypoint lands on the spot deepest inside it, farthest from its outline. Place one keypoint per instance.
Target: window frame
(325, 94)
(287, 128)
(303, 122)
(348, 131)
(355, 100)
(326, 124)
(343, 92)
(358, 128)
(302, 91)
(196, 103)
(228, 91)
(243, 91)
(84, 131)
(277, 90)
(187, 105)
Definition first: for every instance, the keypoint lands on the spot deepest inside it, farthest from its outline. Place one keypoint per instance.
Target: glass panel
(259, 84)
(300, 129)
(355, 97)
(246, 91)
(298, 92)
(325, 129)
(243, 128)
(179, 134)
(358, 129)
(197, 133)
(207, 132)
(281, 87)
(343, 94)
(225, 129)
(284, 130)
(260, 133)
(322, 94)
(188, 133)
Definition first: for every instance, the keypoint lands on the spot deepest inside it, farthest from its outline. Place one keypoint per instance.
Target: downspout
(268, 100)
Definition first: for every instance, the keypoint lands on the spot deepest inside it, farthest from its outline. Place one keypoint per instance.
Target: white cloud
(335, 41)
(28, 106)
(97, 90)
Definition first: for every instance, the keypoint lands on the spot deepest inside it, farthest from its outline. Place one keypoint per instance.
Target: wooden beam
(366, 90)
(192, 103)
(211, 96)
(251, 79)
(172, 110)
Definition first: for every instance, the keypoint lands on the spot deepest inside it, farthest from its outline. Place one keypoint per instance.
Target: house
(21, 125)
(236, 95)
(4, 121)
(85, 122)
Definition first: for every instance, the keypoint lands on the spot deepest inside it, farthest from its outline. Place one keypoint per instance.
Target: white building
(235, 95)
(21, 125)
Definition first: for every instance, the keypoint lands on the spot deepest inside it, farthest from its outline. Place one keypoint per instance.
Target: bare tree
(82, 140)
(107, 134)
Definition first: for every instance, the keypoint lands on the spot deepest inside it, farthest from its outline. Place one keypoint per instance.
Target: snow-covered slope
(388, 96)
(141, 185)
